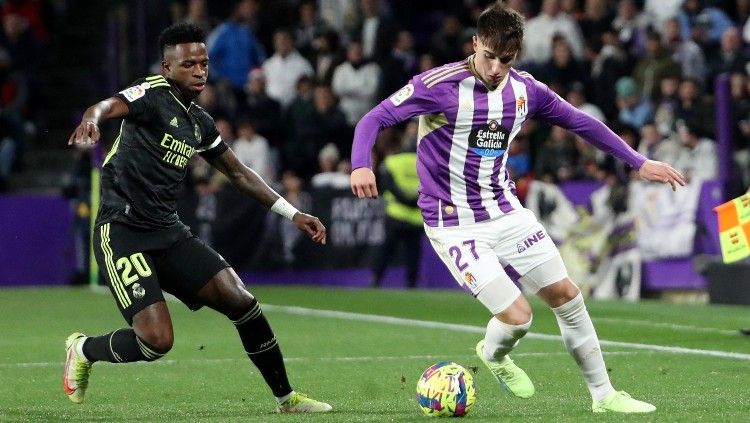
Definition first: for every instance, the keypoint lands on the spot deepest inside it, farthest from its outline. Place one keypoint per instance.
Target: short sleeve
(139, 98)
(413, 99)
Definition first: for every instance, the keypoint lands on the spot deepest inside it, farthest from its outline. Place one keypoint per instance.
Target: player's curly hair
(181, 33)
(500, 28)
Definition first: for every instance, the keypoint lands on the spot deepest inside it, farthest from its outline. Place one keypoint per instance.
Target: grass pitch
(689, 360)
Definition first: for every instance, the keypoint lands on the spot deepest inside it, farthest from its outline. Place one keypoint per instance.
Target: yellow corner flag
(734, 228)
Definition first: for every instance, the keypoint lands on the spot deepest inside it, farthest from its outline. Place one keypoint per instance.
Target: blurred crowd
(646, 68)
(23, 38)
(290, 79)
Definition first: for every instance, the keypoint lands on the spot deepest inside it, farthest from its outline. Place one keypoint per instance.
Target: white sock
(79, 350)
(285, 397)
(582, 343)
(501, 337)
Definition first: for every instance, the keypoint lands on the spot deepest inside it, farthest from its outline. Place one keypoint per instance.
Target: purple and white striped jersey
(464, 133)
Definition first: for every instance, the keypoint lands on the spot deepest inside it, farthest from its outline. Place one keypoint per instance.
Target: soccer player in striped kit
(469, 112)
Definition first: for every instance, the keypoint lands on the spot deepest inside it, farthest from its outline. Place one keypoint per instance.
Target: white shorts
(477, 254)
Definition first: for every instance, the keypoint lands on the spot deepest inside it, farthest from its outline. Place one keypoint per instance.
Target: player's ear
(475, 42)
(165, 65)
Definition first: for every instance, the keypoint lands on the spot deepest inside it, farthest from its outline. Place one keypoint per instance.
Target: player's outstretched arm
(87, 131)
(363, 183)
(651, 170)
(252, 185)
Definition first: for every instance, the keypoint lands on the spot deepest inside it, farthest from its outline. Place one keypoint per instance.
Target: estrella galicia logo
(489, 140)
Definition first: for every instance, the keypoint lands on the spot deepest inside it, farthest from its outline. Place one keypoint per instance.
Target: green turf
(366, 370)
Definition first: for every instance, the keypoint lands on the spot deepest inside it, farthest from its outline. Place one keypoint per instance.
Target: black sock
(120, 346)
(262, 348)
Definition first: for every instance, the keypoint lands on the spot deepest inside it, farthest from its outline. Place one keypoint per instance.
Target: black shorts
(138, 264)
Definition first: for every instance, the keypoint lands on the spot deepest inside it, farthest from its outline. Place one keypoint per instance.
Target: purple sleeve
(549, 107)
(412, 100)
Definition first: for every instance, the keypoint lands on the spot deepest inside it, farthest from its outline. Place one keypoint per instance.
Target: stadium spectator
(693, 107)
(697, 158)
(426, 62)
(630, 25)
(557, 159)
(609, 62)
(685, 52)
(263, 111)
(329, 175)
(562, 71)
(400, 65)
(14, 96)
(328, 121)
(217, 104)
(664, 116)
(299, 149)
(696, 16)
(577, 97)
(284, 68)
(197, 13)
(446, 44)
(376, 32)
(730, 58)
(341, 15)
(635, 109)
(659, 11)
(33, 13)
(19, 41)
(309, 27)
(253, 151)
(233, 47)
(403, 219)
(326, 56)
(355, 83)
(653, 67)
(596, 19)
(654, 146)
(537, 44)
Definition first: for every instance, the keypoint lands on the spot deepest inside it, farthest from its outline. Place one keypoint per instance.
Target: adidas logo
(173, 122)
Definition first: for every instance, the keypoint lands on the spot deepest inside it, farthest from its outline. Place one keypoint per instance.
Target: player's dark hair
(500, 28)
(181, 33)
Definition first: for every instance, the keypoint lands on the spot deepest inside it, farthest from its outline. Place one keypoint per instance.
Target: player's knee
(559, 293)
(158, 341)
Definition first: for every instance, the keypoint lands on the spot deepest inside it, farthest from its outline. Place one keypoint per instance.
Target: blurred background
(288, 81)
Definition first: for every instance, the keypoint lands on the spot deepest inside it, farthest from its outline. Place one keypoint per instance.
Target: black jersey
(143, 171)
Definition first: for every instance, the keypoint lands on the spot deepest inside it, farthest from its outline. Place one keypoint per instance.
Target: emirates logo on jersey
(489, 140)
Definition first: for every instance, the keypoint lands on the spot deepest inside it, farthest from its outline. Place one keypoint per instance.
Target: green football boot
(511, 377)
(621, 402)
(301, 403)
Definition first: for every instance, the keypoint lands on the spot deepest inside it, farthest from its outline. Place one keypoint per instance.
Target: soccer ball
(446, 389)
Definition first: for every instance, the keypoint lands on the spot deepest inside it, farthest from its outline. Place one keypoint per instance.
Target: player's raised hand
(311, 226)
(651, 170)
(363, 183)
(86, 133)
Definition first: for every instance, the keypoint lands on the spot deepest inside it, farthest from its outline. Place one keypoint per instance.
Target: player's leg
(468, 254)
(226, 294)
(198, 276)
(579, 335)
(132, 279)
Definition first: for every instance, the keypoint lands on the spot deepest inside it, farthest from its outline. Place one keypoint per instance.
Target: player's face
(492, 66)
(187, 65)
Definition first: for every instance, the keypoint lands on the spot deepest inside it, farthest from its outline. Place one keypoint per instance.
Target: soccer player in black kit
(140, 243)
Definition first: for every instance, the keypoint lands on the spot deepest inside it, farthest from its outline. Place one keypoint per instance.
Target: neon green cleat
(77, 370)
(301, 403)
(621, 402)
(511, 377)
